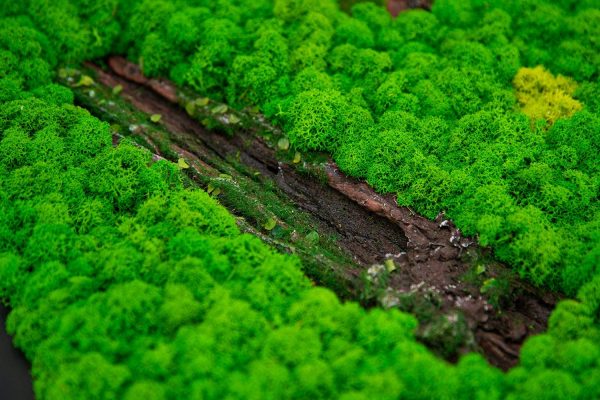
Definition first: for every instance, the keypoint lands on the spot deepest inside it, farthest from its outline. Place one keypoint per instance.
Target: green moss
(317, 117)
(96, 240)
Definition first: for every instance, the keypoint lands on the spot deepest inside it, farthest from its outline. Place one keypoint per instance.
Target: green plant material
(190, 108)
(112, 267)
(312, 236)
(86, 81)
(390, 266)
(297, 158)
(488, 284)
(497, 291)
(283, 143)
(115, 128)
(155, 118)
(203, 101)
(270, 224)
(543, 96)
(317, 118)
(182, 164)
(220, 109)
(117, 90)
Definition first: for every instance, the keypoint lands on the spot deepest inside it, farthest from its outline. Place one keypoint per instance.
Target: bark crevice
(432, 270)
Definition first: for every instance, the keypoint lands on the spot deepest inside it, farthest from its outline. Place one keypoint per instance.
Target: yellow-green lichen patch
(542, 95)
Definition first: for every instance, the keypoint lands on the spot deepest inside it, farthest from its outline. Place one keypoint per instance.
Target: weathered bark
(429, 265)
(395, 7)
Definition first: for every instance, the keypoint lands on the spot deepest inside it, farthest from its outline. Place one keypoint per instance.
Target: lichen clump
(542, 95)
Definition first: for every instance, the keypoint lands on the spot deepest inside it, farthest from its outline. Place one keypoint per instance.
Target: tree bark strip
(431, 269)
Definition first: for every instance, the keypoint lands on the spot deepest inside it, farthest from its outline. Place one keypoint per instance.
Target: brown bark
(395, 7)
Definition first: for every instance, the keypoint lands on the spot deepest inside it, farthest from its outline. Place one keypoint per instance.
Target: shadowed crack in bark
(432, 260)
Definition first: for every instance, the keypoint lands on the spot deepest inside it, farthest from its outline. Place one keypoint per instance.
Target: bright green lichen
(111, 266)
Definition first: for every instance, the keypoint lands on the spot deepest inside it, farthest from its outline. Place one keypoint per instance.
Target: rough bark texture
(395, 7)
(430, 269)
